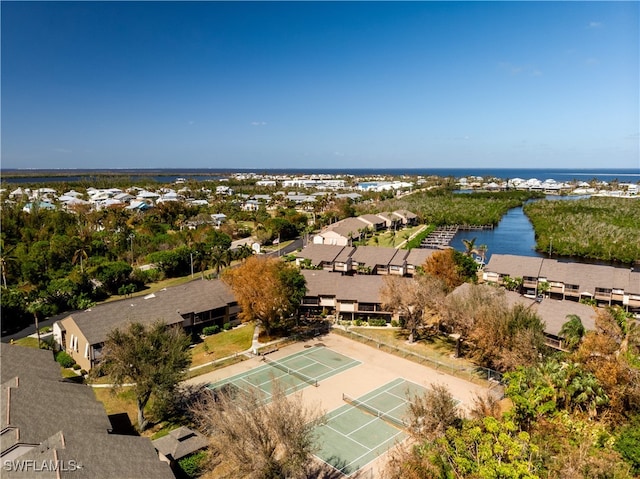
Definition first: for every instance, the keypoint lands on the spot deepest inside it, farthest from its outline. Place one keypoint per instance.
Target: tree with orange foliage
(611, 354)
(268, 290)
(443, 265)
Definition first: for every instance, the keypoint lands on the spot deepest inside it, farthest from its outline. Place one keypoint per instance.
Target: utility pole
(131, 236)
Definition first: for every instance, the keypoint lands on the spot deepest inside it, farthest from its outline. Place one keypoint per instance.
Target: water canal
(513, 235)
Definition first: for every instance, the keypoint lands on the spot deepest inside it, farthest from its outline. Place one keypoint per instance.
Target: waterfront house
(606, 285)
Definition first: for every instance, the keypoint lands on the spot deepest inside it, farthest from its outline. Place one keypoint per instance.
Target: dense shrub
(377, 322)
(176, 262)
(112, 274)
(227, 326)
(209, 330)
(628, 444)
(600, 228)
(65, 360)
(194, 464)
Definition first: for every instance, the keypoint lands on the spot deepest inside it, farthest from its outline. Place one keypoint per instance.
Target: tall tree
(412, 298)
(81, 256)
(443, 265)
(153, 357)
(252, 439)
(219, 259)
(6, 257)
(268, 290)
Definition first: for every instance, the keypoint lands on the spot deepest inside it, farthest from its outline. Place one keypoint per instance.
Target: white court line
(333, 371)
(381, 445)
(351, 439)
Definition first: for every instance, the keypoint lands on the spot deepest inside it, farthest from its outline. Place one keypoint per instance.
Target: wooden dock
(440, 238)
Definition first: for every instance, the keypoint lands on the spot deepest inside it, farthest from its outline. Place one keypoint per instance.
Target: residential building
(348, 297)
(369, 259)
(191, 306)
(55, 429)
(608, 285)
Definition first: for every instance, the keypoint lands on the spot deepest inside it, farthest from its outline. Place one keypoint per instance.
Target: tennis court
(294, 372)
(364, 428)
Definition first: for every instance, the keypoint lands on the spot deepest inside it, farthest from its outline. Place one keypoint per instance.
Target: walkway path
(251, 352)
(417, 232)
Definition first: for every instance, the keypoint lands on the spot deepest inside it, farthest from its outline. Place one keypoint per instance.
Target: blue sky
(320, 85)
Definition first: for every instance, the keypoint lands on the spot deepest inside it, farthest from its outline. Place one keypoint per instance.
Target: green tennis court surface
(294, 372)
(358, 432)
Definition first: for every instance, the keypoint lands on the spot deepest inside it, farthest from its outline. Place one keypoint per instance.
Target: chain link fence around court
(476, 374)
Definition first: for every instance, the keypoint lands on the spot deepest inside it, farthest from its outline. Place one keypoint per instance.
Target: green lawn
(389, 239)
(28, 342)
(220, 345)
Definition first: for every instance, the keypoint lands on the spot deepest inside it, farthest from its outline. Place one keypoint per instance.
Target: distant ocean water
(625, 175)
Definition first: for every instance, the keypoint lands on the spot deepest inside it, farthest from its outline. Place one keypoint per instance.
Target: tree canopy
(252, 439)
(412, 299)
(268, 291)
(153, 357)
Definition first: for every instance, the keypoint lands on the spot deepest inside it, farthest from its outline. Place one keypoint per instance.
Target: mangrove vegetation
(598, 228)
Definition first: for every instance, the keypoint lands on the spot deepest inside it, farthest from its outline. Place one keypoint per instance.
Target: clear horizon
(324, 85)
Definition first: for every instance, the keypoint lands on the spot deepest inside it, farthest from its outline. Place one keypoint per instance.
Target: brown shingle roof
(347, 227)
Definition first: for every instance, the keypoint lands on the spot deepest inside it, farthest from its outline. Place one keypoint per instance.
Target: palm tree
(219, 259)
(470, 246)
(80, 254)
(243, 252)
(482, 251)
(36, 307)
(6, 257)
(572, 331)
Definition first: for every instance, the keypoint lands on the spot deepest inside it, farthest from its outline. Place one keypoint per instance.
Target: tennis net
(293, 372)
(373, 411)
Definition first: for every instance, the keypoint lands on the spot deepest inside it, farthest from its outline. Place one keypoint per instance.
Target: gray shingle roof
(372, 255)
(587, 276)
(514, 266)
(362, 288)
(58, 420)
(319, 253)
(180, 443)
(168, 305)
(417, 256)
